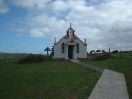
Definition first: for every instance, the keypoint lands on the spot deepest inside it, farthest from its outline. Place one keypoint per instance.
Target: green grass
(121, 64)
(49, 80)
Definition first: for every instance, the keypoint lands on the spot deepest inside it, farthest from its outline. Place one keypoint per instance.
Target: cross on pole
(47, 49)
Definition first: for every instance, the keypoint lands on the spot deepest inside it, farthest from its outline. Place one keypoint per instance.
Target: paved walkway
(111, 84)
(88, 66)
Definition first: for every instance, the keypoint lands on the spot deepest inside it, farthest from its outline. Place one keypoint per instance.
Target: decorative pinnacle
(70, 25)
(55, 40)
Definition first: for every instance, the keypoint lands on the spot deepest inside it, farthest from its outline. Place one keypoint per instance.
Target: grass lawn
(121, 64)
(48, 80)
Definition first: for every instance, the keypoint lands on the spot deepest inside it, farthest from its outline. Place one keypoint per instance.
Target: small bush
(34, 58)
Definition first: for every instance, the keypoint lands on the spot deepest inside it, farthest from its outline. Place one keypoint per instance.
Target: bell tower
(70, 33)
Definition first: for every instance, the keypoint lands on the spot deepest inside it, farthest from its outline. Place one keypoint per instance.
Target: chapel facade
(70, 46)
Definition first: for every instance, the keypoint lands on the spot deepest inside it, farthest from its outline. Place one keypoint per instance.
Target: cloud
(3, 7)
(46, 26)
(104, 24)
(59, 5)
(38, 4)
(40, 32)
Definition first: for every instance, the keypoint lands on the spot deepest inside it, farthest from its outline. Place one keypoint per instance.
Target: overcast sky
(31, 25)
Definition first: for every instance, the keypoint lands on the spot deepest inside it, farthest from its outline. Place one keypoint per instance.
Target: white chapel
(70, 46)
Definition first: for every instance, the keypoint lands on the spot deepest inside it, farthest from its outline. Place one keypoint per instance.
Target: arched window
(77, 47)
(62, 47)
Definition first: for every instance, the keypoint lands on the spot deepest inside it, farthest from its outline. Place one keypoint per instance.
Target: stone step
(74, 60)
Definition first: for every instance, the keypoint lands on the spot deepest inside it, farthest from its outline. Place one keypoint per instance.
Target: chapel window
(62, 47)
(77, 46)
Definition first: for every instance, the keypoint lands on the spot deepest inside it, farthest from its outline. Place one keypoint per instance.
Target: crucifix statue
(47, 50)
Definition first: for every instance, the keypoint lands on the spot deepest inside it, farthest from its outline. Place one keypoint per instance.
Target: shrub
(34, 58)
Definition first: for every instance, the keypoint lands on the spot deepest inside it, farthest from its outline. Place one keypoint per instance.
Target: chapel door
(70, 52)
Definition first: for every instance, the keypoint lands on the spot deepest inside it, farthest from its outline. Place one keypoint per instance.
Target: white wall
(82, 49)
(58, 49)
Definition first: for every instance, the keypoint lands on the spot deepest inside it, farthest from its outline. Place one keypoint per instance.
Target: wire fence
(11, 58)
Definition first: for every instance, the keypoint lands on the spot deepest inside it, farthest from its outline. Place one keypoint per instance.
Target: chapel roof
(70, 30)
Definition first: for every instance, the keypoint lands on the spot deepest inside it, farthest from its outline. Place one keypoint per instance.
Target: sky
(29, 26)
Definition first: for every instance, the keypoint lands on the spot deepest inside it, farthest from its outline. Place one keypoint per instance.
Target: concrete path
(111, 85)
(88, 66)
